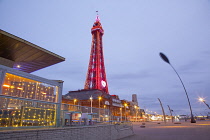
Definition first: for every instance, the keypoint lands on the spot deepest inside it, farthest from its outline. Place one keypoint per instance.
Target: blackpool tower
(96, 74)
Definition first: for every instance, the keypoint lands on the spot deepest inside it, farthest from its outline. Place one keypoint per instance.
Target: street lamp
(170, 113)
(75, 101)
(121, 114)
(105, 112)
(135, 111)
(167, 61)
(74, 104)
(164, 116)
(91, 104)
(99, 98)
(202, 100)
(125, 111)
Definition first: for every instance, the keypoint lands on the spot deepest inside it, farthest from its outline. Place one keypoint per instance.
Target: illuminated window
(22, 87)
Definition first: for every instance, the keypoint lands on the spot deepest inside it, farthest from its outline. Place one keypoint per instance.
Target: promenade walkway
(170, 131)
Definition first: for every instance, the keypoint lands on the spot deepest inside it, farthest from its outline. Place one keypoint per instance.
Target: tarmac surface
(170, 131)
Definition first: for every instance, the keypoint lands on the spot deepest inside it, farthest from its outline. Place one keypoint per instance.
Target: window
(26, 88)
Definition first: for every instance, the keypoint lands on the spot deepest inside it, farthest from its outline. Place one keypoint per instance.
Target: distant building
(107, 101)
(134, 99)
(119, 109)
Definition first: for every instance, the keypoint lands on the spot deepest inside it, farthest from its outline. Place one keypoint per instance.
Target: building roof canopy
(25, 56)
(86, 94)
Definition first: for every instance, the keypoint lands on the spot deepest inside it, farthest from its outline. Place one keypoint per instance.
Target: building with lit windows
(26, 99)
(119, 110)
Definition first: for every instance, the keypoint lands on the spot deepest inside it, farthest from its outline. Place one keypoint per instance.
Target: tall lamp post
(91, 104)
(125, 111)
(121, 114)
(135, 111)
(99, 98)
(171, 113)
(164, 116)
(202, 100)
(75, 101)
(104, 113)
(167, 61)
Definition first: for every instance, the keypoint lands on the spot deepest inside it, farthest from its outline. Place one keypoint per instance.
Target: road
(171, 131)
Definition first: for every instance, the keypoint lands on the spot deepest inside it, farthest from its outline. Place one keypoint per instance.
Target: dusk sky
(135, 31)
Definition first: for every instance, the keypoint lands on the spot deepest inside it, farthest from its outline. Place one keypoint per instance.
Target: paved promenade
(170, 131)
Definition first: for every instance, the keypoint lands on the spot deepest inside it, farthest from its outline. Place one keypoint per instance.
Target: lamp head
(164, 57)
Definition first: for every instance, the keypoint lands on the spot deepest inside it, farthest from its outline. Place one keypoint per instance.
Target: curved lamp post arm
(170, 113)
(206, 104)
(184, 90)
(164, 57)
(164, 116)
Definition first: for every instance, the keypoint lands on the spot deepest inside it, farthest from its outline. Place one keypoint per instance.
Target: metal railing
(20, 112)
(97, 115)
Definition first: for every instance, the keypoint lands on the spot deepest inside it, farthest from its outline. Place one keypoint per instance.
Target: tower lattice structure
(96, 74)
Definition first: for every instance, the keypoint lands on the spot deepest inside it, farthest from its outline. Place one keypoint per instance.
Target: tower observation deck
(96, 75)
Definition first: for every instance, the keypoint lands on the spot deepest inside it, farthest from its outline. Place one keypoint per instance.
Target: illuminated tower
(96, 75)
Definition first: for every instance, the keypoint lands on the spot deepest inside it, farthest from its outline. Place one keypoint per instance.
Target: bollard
(143, 125)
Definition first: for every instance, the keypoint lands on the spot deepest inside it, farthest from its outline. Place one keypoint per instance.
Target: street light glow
(201, 99)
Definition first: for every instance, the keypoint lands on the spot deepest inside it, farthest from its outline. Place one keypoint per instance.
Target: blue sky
(135, 32)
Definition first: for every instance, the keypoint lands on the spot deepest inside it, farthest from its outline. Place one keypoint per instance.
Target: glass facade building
(28, 100)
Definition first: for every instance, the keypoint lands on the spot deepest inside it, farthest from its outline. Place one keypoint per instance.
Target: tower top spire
(97, 17)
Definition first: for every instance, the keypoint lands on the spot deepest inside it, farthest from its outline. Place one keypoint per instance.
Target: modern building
(26, 99)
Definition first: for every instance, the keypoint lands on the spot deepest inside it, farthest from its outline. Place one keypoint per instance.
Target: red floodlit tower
(96, 75)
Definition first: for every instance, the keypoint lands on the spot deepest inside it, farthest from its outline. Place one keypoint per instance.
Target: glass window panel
(17, 113)
(23, 87)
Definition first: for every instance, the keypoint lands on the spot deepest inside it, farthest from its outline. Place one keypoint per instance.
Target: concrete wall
(102, 132)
